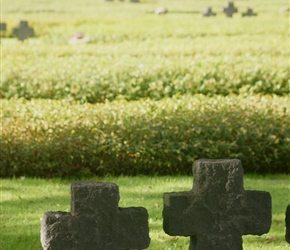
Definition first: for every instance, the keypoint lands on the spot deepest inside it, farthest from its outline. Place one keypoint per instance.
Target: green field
(135, 54)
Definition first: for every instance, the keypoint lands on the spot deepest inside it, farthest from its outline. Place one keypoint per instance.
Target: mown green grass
(135, 54)
(24, 201)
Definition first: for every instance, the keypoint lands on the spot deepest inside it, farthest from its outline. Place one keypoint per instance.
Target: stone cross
(95, 221)
(2, 26)
(287, 224)
(217, 211)
(23, 31)
(249, 12)
(208, 12)
(230, 9)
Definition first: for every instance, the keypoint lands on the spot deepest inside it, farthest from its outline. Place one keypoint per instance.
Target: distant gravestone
(161, 11)
(287, 222)
(95, 221)
(230, 9)
(23, 31)
(249, 12)
(208, 12)
(284, 9)
(2, 26)
(79, 38)
(217, 211)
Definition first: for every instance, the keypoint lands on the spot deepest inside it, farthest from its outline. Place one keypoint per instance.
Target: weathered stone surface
(208, 12)
(23, 31)
(287, 222)
(285, 9)
(95, 221)
(217, 211)
(2, 26)
(230, 9)
(161, 11)
(249, 12)
(79, 38)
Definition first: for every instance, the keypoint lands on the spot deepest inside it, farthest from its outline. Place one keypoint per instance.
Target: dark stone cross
(217, 211)
(230, 9)
(249, 12)
(95, 221)
(3, 26)
(208, 12)
(287, 224)
(23, 31)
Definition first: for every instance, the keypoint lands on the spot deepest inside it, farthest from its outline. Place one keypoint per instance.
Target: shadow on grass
(20, 241)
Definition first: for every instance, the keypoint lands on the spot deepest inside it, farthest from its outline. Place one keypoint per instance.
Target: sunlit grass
(130, 46)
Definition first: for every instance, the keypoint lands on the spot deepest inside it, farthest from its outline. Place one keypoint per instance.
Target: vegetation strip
(48, 138)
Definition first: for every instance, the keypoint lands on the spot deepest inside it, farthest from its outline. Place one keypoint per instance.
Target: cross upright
(95, 221)
(287, 224)
(2, 26)
(208, 12)
(230, 9)
(217, 211)
(23, 31)
(249, 12)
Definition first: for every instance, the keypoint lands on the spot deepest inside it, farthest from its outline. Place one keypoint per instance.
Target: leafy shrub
(89, 85)
(48, 138)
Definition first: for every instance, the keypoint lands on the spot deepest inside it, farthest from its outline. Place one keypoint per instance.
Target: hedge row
(98, 85)
(47, 138)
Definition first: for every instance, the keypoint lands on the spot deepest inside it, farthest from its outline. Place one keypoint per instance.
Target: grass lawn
(24, 200)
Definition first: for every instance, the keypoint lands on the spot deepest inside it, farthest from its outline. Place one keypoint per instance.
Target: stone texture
(230, 9)
(2, 26)
(95, 221)
(161, 11)
(217, 211)
(23, 31)
(287, 223)
(79, 38)
(208, 12)
(249, 12)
